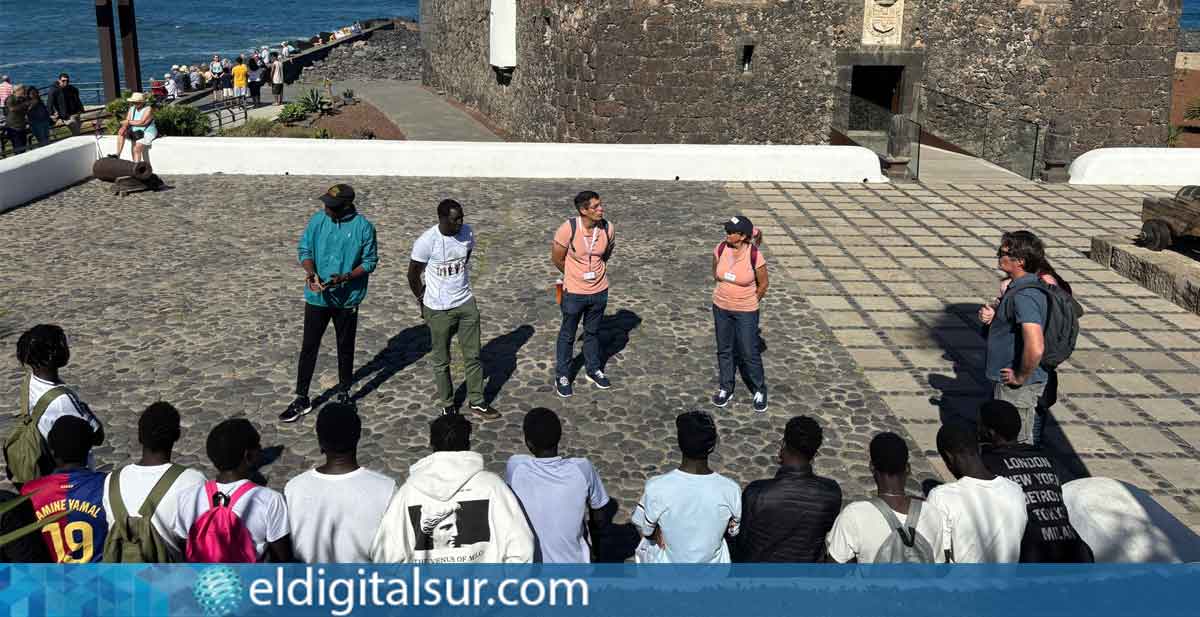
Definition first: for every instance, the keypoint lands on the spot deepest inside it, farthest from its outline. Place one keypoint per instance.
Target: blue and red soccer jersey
(79, 536)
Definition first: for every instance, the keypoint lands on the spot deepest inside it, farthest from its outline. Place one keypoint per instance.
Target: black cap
(338, 196)
(739, 225)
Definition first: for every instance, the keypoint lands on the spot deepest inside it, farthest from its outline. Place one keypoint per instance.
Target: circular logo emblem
(218, 591)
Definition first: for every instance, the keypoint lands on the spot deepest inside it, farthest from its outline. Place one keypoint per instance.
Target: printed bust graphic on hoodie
(449, 527)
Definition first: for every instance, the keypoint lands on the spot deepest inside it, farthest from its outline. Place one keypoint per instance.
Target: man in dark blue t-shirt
(1015, 341)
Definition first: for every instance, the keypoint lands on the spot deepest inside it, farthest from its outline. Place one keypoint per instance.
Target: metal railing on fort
(865, 123)
(226, 116)
(959, 125)
(90, 92)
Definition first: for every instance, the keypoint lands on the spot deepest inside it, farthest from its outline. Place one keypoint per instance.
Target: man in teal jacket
(337, 252)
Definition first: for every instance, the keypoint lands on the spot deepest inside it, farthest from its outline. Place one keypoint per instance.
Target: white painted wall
(1137, 166)
(45, 170)
(258, 156)
(34, 174)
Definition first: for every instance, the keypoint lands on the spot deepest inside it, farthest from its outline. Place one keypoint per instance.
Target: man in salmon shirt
(741, 274)
(581, 249)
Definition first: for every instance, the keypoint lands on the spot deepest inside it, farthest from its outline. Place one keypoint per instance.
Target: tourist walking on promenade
(39, 117)
(254, 80)
(1015, 341)
(240, 79)
(277, 78)
(337, 251)
(17, 119)
(137, 127)
(65, 105)
(439, 277)
(741, 275)
(581, 250)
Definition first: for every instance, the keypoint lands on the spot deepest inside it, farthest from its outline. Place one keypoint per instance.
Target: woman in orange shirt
(741, 275)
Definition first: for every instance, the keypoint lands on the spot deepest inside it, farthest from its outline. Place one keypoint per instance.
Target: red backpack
(219, 536)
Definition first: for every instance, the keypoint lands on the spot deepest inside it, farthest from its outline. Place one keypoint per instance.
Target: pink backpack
(219, 536)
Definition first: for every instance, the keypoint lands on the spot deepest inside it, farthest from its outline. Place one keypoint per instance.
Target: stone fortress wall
(639, 71)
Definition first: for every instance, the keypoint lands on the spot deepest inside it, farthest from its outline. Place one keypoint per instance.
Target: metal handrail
(993, 128)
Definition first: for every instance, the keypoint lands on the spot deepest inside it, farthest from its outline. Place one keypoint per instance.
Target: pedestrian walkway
(419, 113)
(938, 166)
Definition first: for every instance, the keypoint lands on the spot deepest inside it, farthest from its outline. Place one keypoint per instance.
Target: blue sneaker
(721, 398)
(563, 387)
(598, 379)
(760, 402)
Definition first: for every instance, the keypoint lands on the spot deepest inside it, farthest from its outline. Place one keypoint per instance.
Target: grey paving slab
(193, 296)
(422, 115)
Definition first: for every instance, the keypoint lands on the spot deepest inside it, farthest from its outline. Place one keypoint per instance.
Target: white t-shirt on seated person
(136, 483)
(262, 510)
(334, 517)
(982, 520)
(447, 280)
(860, 530)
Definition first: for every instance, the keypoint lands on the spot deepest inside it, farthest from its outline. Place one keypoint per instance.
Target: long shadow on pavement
(499, 360)
(402, 351)
(614, 336)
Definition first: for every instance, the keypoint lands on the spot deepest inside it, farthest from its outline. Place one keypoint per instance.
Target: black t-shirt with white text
(1049, 536)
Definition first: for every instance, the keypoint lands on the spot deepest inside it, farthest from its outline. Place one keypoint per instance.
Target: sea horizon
(46, 40)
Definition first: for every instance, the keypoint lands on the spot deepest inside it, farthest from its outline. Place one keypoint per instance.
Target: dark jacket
(786, 518)
(64, 102)
(18, 109)
(38, 114)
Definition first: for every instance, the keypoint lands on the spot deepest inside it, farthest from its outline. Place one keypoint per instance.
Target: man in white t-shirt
(158, 430)
(685, 515)
(983, 515)
(861, 529)
(335, 509)
(439, 276)
(234, 448)
(43, 351)
(560, 495)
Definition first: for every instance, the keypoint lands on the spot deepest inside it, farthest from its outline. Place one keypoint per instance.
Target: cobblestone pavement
(193, 295)
(898, 273)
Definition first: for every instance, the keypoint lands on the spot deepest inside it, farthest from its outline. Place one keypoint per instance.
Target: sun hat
(137, 97)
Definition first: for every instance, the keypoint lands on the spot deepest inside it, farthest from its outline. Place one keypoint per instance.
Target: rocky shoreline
(388, 54)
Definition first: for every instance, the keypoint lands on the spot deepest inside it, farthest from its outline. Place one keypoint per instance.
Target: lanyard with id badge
(729, 274)
(590, 275)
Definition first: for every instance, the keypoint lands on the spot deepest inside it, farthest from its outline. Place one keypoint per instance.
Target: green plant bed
(259, 127)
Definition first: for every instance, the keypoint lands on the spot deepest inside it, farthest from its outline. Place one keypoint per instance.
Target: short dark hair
(450, 433)
(697, 434)
(1025, 246)
(158, 427)
(1002, 417)
(446, 205)
(584, 198)
(43, 346)
(339, 427)
(230, 441)
(542, 428)
(70, 439)
(889, 453)
(957, 438)
(803, 435)
(62, 75)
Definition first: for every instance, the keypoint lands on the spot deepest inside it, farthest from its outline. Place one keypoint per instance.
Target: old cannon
(126, 176)
(1167, 219)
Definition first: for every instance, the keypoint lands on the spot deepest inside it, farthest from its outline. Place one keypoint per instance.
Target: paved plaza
(193, 295)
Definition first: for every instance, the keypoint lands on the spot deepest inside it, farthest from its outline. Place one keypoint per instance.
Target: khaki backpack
(134, 539)
(25, 449)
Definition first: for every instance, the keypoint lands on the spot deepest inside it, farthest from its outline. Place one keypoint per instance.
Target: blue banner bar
(602, 590)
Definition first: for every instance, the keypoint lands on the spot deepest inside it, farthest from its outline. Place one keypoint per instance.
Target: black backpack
(1062, 321)
(608, 246)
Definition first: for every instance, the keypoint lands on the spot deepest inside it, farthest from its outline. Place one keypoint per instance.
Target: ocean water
(41, 38)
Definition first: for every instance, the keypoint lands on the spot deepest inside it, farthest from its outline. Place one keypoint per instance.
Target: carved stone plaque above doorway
(883, 21)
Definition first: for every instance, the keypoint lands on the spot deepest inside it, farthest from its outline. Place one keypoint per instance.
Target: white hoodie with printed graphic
(452, 511)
